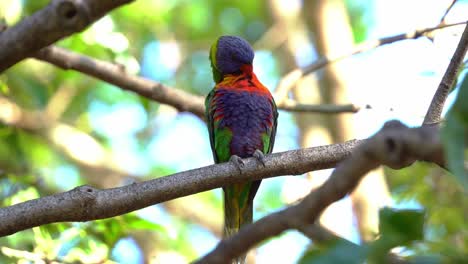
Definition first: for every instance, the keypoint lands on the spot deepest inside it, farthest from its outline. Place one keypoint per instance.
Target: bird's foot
(238, 162)
(260, 157)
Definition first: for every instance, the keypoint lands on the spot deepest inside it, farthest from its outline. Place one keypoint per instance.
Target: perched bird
(242, 117)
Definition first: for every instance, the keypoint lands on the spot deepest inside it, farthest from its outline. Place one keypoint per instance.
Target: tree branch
(437, 104)
(87, 203)
(450, 6)
(57, 20)
(99, 172)
(187, 208)
(290, 79)
(42, 123)
(116, 75)
(293, 106)
(395, 145)
(181, 100)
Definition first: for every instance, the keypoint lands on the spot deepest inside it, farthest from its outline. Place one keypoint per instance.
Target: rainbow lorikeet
(242, 118)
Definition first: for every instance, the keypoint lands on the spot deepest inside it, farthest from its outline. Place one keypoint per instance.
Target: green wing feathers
(269, 139)
(219, 138)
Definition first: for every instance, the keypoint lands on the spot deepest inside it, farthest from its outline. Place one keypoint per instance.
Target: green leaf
(454, 135)
(108, 230)
(337, 251)
(401, 225)
(398, 227)
(4, 89)
(460, 105)
(454, 147)
(133, 221)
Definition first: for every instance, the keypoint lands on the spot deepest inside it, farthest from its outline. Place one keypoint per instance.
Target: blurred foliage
(397, 228)
(455, 134)
(32, 161)
(167, 41)
(335, 251)
(359, 18)
(432, 188)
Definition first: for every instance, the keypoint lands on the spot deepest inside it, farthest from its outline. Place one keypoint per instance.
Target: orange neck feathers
(245, 81)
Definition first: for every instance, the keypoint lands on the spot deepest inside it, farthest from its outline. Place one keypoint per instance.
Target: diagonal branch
(395, 145)
(87, 203)
(116, 75)
(290, 79)
(59, 19)
(450, 6)
(437, 104)
(181, 100)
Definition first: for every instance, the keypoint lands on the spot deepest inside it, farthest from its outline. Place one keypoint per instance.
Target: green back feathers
(217, 76)
(221, 139)
(222, 143)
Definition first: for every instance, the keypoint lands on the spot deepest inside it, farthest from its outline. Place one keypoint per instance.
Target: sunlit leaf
(132, 221)
(23, 195)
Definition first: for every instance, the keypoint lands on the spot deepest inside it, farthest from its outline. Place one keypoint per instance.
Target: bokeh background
(81, 130)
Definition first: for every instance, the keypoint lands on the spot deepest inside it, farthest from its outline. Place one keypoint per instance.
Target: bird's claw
(238, 162)
(260, 157)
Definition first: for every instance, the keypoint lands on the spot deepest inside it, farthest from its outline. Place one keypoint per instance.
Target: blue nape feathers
(233, 52)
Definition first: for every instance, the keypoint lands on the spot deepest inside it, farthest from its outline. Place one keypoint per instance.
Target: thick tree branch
(395, 145)
(86, 203)
(437, 104)
(187, 208)
(290, 79)
(57, 20)
(98, 172)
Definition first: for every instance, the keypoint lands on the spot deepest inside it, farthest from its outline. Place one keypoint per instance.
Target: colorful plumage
(242, 118)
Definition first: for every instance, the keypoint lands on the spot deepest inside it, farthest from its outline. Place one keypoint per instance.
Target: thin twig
(437, 104)
(395, 145)
(442, 20)
(290, 79)
(293, 106)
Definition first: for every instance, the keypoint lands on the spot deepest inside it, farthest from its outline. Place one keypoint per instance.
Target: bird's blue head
(228, 54)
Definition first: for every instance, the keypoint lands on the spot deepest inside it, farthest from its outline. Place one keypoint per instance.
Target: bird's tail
(238, 209)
